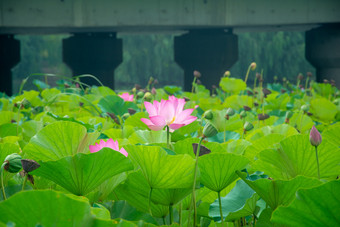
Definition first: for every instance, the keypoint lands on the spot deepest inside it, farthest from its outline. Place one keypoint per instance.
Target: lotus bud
(140, 94)
(248, 126)
(243, 114)
(227, 74)
(315, 137)
(134, 90)
(258, 76)
(156, 81)
(148, 96)
(325, 81)
(253, 66)
(275, 78)
(197, 74)
(151, 80)
(284, 79)
(13, 163)
(208, 114)
(209, 130)
(153, 91)
(305, 108)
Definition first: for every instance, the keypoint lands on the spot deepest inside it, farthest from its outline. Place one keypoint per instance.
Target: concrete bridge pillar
(93, 53)
(9, 57)
(211, 52)
(323, 52)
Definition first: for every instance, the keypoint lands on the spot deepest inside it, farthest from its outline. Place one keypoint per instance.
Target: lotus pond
(74, 155)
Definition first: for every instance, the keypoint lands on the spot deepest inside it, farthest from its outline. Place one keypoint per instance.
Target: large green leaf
(135, 190)
(46, 208)
(9, 129)
(82, 173)
(147, 137)
(218, 169)
(312, 207)
(233, 202)
(58, 140)
(323, 109)
(162, 170)
(296, 156)
(115, 104)
(278, 192)
(284, 129)
(332, 135)
(232, 85)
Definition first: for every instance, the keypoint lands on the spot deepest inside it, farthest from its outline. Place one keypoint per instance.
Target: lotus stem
(220, 204)
(150, 193)
(317, 160)
(194, 184)
(24, 184)
(193, 85)
(2, 181)
(171, 216)
(180, 214)
(168, 136)
(245, 80)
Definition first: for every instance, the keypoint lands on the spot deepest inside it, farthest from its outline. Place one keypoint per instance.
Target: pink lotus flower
(127, 97)
(315, 137)
(110, 144)
(168, 113)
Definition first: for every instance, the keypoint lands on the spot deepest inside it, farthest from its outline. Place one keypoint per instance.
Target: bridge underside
(208, 28)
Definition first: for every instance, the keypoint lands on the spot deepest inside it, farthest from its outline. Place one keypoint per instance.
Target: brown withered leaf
(203, 150)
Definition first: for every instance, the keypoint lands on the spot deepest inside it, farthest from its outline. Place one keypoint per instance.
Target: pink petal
(158, 120)
(150, 108)
(167, 112)
(151, 125)
(189, 120)
(176, 126)
(182, 116)
(93, 148)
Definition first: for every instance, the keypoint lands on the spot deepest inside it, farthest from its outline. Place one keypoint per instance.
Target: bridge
(208, 41)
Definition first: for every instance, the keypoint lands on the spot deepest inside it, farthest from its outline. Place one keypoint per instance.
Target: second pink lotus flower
(110, 144)
(127, 97)
(168, 113)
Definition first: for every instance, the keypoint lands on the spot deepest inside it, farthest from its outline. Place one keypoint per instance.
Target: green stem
(180, 214)
(193, 85)
(254, 220)
(168, 136)
(24, 184)
(317, 160)
(150, 201)
(2, 181)
(194, 184)
(220, 204)
(163, 220)
(245, 80)
(171, 214)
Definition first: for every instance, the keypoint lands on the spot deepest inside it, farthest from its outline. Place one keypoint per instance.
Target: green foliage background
(145, 55)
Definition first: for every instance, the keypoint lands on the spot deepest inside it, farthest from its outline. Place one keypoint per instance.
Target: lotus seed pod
(289, 114)
(230, 112)
(300, 76)
(13, 163)
(125, 116)
(253, 66)
(29, 165)
(148, 96)
(25, 103)
(208, 114)
(243, 114)
(248, 126)
(227, 74)
(197, 74)
(140, 94)
(209, 130)
(305, 108)
(315, 137)
(262, 117)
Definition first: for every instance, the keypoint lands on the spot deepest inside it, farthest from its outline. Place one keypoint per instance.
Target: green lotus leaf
(323, 109)
(148, 137)
(82, 173)
(237, 146)
(99, 211)
(115, 104)
(102, 91)
(234, 201)
(296, 156)
(332, 135)
(9, 129)
(47, 208)
(301, 121)
(134, 120)
(261, 144)
(284, 129)
(312, 207)
(6, 117)
(162, 170)
(232, 85)
(238, 101)
(211, 103)
(135, 190)
(185, 131)
(249, 208)
(218, 169)
(50, 94)
(30, 128)
(58, 140)
(278, 192)
(169, 197)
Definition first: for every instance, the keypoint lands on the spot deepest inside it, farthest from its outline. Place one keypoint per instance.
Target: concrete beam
(61, 16)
